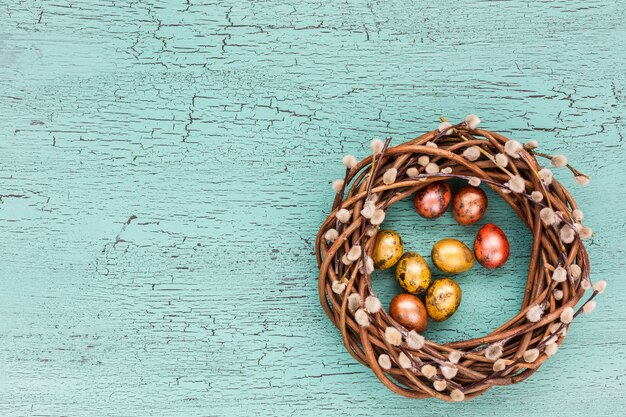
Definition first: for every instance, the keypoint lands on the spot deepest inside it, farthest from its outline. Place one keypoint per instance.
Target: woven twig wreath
(557, 277)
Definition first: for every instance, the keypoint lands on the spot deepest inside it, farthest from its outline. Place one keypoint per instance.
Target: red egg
(491, 247)
(469, 205)
(409, 311)
(433, 200)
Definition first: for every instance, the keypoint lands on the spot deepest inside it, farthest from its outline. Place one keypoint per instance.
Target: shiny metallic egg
(409, 311)
(433, 200)
(468, 205)
(491, 246)
(387, 249)
(413, 273)
(442, 299)
(452, 256)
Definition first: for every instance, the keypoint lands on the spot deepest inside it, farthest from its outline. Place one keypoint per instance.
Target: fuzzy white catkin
(423, 160)
(414, 340)
(457, 395)
(567, 315)
(338, 186)
(517, 184)
(534, 313)
(343, 215)
(557, 294)
(377, 145)
(599, 286)
(531, 355)
(585, 232)
(581, 180)
(445, 126)
(449, 372)
(369, 266)
(502, 160)
(345, 259)
(412, 172)
(362, 318)
(389, 177)
(547, 215)
(331, 235)
(559, 274)
(472, 121)
(447, 170)
(454, 356)
(338, 287)
(546, 176)
(440, 384)
(513, 148)
(585, 284)
(551, 349)
(349, 161)
(499, 365)
(354, 301)
(578, 215)
(355, 253)
(567, 234)
(536, 196)
(378, 217)
(428, 371)
(393, 336)
(589, 306)
(431, 144)
(474, 181)
(471, 154)
(559, 161)
(575, 271)
(372, 304)
(554, 328)
(432, 168)
(493, 351)
(531, 144)
(369, 207)
(404, 361)
(384, 361)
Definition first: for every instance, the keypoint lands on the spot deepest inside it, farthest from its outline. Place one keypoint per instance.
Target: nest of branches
(558, 275)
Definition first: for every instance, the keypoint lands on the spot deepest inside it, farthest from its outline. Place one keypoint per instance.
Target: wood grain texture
(166, 165)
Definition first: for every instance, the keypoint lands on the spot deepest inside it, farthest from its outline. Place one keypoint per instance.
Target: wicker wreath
(558, 275)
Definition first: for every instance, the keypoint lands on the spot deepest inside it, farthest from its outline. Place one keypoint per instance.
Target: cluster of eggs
(442, 296)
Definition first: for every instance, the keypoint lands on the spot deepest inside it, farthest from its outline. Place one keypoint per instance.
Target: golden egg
(452, 256)
(442, 299)
(413, 273)
(387, 249)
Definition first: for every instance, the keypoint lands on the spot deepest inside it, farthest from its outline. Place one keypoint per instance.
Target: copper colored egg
(409, 311)
(468, 205)
(491, 246)
(387, 249)
(413, 273)
(452, 256)
(443, 299)
(433, 200)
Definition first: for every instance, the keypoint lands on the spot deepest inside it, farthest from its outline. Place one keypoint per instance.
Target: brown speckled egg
(452, 256)
(443, 299)
(433, 200)
(413, 273)
(387, 249)
(468, 205)
(491, 246)
(409, 311)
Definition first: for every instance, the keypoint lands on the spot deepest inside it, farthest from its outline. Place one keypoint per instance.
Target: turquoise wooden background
(165, 166)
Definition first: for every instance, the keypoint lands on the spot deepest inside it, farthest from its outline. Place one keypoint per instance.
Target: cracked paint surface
(165, 167)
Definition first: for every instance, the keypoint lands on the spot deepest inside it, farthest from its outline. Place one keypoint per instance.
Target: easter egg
(452, 256)
(491, 246)
(413, 273)
(409, 311)
(387, 249)
(442, 299)
(468, 205)
(432, 200)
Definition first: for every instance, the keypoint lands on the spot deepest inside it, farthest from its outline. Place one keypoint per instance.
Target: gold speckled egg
(387, 249)
(413, 273)
(442, 299)
(452, 256)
